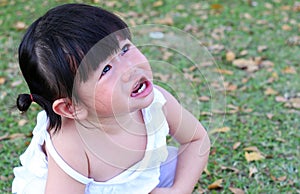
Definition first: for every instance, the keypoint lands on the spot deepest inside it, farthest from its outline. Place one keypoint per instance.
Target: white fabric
(141, 178)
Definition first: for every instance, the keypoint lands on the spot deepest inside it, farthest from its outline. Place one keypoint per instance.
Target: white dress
(141, 178)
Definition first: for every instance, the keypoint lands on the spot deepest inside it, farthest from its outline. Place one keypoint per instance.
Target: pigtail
(25, 100)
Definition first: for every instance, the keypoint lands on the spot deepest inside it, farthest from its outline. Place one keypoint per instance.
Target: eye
(105, 70)
(125, 49)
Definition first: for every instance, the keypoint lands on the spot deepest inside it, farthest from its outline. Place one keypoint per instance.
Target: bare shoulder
(69, 146)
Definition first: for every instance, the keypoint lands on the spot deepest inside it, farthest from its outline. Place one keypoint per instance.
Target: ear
(65, 108)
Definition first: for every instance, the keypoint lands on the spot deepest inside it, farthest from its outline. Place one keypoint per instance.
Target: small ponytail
(24, 101)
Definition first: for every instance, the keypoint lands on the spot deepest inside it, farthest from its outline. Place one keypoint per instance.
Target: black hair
(54, 47)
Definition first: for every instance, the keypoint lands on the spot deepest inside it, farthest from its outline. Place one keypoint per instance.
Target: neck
(131, 123)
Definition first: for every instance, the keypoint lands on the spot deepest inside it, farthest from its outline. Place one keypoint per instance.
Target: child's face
(122, 84)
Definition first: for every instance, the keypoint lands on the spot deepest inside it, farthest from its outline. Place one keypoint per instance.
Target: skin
(119, 130)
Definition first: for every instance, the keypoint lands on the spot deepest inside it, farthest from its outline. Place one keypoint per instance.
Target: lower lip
(146, 92)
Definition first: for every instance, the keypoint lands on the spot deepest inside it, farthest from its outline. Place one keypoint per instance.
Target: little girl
(104, 124)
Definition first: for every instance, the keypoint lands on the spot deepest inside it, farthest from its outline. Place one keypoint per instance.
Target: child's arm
(69, 147)
(194, 146)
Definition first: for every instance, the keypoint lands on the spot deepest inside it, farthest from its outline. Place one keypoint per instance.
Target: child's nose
(127, 75)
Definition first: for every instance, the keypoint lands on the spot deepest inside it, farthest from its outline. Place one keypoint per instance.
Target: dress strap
(63, 165)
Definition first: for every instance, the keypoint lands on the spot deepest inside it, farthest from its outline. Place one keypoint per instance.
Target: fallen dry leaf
(235, 170)
(158, 3)
(267, 63)
(280, 99)
(206, 171)
(270, 115)
(216, 185)
(246, 64)
(201, 191)
(252, 170)
(22, 122)
(220, 130)
(5, 136)
(289, 70)
(2, 80)
(270, 91)
(251, 148)
(236, 190)
(247, 16)
(223, 71)
(295, 102)
(262, 48)
(243, 52)
(168, 20)
(20, 25)
(230, 56)
(253, 156)
(17, 136)
(236, 145)
(286, 27)
(204, 98)
(280, 179)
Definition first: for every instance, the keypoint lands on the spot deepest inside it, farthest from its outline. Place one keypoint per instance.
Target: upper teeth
(142, 88)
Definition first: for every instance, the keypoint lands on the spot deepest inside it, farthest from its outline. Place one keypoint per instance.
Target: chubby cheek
(110, 100)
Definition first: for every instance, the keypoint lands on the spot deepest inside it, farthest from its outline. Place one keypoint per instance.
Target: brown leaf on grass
(20, 25)
(236, 190)
(293, 41)
(162, 77)
(243, 52)
(220, 130)
(167, 55)
(201, 191)
(247, 16)
(251, 148)
(267, 63)
(3, 3)
(279, 179)
(5, 136)
(280, 99)
(22, 122)
(236, 145)
(235, 170)
(286, 27)
(296, 6)
(230, 56)
(158, 3)
(252, 170)
(216, 6)
(295, 102)
(204, 98)
(246, 64)
(262, 48)
(216, 185)
(168, 20)
(253, 156)
(270, 116)
(223, 71)
(206, 171)
(230, 87)
(2, 80)
(270, 91)
(289, 70)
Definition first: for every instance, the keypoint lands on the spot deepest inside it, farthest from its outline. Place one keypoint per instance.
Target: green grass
(236, 26)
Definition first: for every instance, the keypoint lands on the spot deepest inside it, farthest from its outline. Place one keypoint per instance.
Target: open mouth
(142, 88)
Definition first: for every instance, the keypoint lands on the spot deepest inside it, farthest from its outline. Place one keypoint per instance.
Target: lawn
(243, 82)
